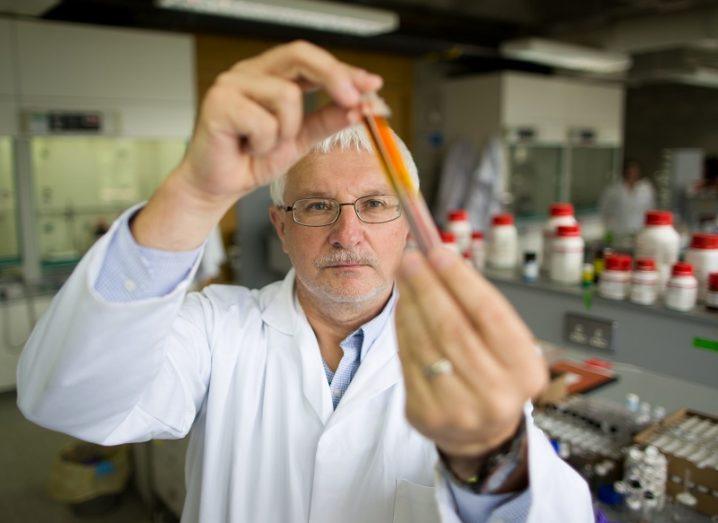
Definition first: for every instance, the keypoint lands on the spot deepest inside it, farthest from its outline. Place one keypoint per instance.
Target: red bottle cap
(713, 281)
(682, 269)
(477, 235)
(458, 214)
(503, 219)
(704, 240)
(659, 218)
(568, 230)
(618, 262)
(645, 264)
(561, 209)
(447, 237)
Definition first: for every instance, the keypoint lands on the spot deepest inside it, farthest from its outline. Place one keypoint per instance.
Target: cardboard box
(705, 480)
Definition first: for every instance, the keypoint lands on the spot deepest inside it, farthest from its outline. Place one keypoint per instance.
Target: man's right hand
(251, 129)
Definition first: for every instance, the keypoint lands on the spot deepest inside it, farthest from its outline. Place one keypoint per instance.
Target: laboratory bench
(670, 343)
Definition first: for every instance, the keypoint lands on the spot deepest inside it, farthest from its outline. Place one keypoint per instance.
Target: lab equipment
(448, 240)
(566, 255)
(703, 255)
(559, 214)
(682, 288)
(712, 293)
(660, 241)
(458, 224)
(503, 242)
(424, 231)
(530, 269)
(644, 282)
(689, 440)
(616, 278)
(478, 250)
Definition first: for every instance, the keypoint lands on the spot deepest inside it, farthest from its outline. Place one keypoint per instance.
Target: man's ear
(276, 216)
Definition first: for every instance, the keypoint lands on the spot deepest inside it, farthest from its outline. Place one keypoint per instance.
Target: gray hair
(352, 138)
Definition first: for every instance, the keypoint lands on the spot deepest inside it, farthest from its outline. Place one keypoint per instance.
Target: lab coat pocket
(414, 503)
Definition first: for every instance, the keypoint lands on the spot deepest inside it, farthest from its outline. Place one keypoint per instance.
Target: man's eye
(374, 204)
(318, 206)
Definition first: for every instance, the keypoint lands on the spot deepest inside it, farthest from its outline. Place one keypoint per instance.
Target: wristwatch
(496, 468)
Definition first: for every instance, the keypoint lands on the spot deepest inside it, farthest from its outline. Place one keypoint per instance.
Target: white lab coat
(242, 369)
(623, 209)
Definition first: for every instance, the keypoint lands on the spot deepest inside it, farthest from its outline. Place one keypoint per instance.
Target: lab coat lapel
(281, 314)
(314, 379)
(380, 370)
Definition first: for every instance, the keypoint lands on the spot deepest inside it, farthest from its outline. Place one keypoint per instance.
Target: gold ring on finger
(439, 367)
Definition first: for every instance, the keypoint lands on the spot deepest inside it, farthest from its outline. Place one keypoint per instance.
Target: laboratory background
(568, 150)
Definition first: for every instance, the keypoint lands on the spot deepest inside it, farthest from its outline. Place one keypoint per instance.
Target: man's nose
(348, 230)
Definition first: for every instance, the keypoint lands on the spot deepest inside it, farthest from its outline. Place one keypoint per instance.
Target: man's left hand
(469, 362)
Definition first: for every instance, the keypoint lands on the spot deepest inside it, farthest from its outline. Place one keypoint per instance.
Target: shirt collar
(374, 327)
(371, 330)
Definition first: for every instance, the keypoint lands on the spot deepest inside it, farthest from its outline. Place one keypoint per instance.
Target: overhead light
(699, 77)
(27, 7)
(567, 56)
(309, 14)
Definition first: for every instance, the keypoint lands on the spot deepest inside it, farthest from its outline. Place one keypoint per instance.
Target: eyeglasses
(318, 212)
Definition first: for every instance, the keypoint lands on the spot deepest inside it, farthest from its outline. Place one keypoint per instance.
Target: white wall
(8, 102)
(144, 78)
(555, 104)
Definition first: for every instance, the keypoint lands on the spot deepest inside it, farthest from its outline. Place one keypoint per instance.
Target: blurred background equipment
(520, 115)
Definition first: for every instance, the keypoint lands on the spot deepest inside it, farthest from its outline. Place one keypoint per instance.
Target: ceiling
(464, 31)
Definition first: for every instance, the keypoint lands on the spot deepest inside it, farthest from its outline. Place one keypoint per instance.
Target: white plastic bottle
(458, 224)
(560, 213)
(478, 250)
(503, 242)
(616, 277)
(682, 288)
(660, 241)
(712, 294)
(566, 255)
(644, 282)
(448, 239)
(703, 256)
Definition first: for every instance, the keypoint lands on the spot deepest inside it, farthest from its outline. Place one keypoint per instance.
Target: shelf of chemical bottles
(589, 296)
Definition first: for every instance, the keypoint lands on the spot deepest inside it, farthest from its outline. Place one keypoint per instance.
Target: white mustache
(344, 258)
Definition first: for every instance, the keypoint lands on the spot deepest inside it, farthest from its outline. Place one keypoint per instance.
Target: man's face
(349, 261)
(632, 173)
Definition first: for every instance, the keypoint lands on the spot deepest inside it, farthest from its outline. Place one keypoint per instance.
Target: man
(294, 393)
(624, 203)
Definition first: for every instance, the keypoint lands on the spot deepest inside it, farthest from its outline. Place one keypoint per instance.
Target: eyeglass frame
(287, 208)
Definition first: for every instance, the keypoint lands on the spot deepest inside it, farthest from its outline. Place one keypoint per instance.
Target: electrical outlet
(589, 331)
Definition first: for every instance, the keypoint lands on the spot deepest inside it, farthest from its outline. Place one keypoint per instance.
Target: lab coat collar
(279, 311)
(379, 370)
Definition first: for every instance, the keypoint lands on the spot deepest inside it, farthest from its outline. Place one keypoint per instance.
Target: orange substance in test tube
(394, 154)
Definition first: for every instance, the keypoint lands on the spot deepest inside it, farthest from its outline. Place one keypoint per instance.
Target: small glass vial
(478, 250)
(449, 241)
(644, 282)
(682, 288)
(530, 269)
(588, 275)
(458, 224)
(616, 278)
(712, 292)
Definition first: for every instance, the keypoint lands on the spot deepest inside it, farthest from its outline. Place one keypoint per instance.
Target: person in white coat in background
(624, 204)
(306, 400)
